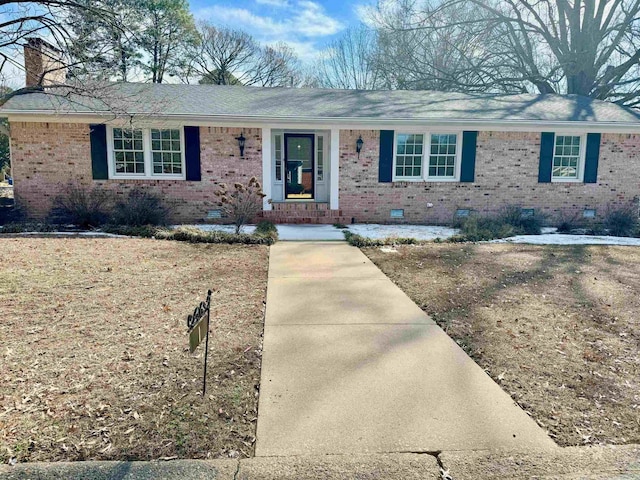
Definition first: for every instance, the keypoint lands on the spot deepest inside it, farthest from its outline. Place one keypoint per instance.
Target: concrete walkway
(352, 365)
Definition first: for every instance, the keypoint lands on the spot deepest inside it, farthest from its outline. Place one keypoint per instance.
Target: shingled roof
(304, 104)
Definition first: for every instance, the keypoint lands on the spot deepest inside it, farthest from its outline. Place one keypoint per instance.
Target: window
(439, 160)
(320, 158)
(443, 156)
(128, 149)
(566, 157)
(278, 154)
(409, 149)
(144, 153)
(166, 151)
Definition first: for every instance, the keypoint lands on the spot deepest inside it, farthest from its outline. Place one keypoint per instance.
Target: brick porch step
(304, 212)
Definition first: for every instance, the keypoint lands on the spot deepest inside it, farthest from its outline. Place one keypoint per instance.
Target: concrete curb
(572, 463)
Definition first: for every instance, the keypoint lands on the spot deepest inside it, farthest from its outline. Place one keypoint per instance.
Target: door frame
(286, 137)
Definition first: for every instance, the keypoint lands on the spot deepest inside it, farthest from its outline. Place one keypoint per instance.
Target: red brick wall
(506, 173)
(48, 156)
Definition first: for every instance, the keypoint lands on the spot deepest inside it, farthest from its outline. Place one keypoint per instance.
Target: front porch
(300, 175)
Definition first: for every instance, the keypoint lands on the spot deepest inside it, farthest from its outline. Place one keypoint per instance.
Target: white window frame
(426, 153)
(274, 160)
(581, 158)
(148, 157)
(324, 158)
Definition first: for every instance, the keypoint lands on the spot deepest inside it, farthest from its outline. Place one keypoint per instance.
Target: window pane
(566, 156)
(320, 158)
(409, 148)
(442, 159)
(128, 149)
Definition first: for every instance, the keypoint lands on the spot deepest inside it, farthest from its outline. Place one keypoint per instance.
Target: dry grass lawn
(94, 360)
(557, 327)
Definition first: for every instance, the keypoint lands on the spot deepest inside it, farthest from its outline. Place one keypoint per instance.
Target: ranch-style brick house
(326, 156)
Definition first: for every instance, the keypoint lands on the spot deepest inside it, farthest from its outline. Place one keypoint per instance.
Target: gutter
(326, 122)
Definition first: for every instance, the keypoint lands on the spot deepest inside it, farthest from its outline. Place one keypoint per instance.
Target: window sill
(566, 180)
(426, 180)
(140, 177)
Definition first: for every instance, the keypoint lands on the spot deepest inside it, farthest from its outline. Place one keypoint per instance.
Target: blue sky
(306, 25)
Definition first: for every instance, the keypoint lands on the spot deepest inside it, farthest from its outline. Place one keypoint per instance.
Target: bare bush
(243, 203)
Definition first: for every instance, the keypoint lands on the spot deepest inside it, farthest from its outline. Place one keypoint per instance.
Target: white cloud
(301, 26)
(309, 20)
(274, 3)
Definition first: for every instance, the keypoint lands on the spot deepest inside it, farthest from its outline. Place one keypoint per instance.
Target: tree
(583, 47)
(351, 62)
(104, 46)
(168, 31)
(422, 46)
(232, 57)
(46, 19)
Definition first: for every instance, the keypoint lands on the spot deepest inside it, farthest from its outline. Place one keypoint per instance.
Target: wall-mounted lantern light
(241, 141)
(359, 144)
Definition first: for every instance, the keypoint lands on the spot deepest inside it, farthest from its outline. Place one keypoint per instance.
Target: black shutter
(98, 140)
(547, 143)
(192, 153)
(592, 158)
(468, 165)
(385, 163)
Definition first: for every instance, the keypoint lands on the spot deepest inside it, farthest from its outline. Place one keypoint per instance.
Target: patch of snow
(206, 227)
(285, 232)
(566, 239)
(388, 250)
(419, 232)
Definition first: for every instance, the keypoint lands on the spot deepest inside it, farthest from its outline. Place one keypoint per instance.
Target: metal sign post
(198, 325)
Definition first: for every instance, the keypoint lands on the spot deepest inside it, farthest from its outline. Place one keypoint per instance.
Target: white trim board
(324, 123)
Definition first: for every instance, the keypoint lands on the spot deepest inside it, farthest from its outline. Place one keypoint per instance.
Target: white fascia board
(325, 123)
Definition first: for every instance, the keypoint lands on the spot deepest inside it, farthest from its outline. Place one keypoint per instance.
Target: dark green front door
(299, 165)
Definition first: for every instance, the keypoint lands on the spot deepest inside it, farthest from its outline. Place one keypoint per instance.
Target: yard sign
(198, 325)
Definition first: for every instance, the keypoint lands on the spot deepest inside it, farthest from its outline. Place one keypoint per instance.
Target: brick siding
(506, 174)
(48, 156)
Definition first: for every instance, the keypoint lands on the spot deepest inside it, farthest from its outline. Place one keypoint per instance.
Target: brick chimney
(43, 64)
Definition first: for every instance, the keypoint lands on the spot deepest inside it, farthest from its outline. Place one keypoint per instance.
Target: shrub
(507, 223)
(139, 208)
(359, 241)
(568, 222)
(10, 214)
(622, 222)
(523, 225)
(82, 206)
(478, 229)
(145, 231)
(267, 228)
(21, 227)
(188, 234)
(243, 203)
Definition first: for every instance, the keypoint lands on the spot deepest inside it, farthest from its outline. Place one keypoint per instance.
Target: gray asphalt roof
(303, 103)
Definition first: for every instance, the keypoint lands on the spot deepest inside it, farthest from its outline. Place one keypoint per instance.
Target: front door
(299, 167)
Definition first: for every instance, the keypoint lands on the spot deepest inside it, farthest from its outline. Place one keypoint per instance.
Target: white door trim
(334, 192)
(266, 168)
